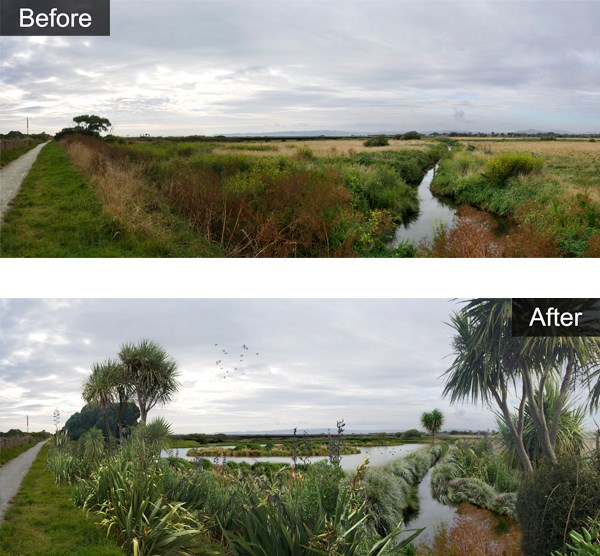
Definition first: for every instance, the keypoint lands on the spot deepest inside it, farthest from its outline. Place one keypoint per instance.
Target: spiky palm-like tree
(491, 365)
(99, 390)
(432, 421)
(151, 373)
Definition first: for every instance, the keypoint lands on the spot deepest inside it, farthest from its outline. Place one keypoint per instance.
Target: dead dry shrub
(475, 532)
(593, 249)
(290, 215)
(472, 235)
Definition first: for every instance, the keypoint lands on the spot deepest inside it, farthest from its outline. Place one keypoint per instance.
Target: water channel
(432, 211)
(431, 512)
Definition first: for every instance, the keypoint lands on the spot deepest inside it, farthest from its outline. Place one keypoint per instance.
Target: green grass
(57, 214)
(11, 453)
(8, 156)
(43, 519)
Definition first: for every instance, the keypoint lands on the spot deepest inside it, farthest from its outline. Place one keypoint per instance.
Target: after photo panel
(299, 426)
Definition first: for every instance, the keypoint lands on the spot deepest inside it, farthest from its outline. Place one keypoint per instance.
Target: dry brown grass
(121, 189)
(320, 148)
(573, 164)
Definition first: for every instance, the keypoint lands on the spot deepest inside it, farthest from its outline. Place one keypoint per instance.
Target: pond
(378, 455)
(432, 211)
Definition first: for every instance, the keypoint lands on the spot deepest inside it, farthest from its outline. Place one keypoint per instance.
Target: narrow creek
(431, 512)
(432, 211)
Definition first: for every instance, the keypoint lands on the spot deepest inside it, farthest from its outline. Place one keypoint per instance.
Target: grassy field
(548, 190)
(43, 519)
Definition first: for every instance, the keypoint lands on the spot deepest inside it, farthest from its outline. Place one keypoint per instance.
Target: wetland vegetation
(322, 197)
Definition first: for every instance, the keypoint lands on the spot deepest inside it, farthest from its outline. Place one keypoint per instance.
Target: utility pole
(27, 424)
(28, 134)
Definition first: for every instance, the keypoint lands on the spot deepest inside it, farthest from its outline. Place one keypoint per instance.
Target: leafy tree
(90, 416)
(433, 422)
(91, 124)
(151, 373)
(86, 125)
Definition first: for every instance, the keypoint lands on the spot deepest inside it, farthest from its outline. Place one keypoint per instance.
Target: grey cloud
(237, 65)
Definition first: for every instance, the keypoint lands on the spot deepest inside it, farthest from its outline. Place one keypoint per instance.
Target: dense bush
(411, 135)
(410, 434)
(510, 165)
(556, 499)
(376, 141)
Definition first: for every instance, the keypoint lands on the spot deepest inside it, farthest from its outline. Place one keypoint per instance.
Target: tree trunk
(562, 397)
(539, 419)
(517, 438)
(106, 423)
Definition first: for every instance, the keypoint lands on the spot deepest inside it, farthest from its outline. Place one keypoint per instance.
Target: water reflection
(432, 211)
(378, 455)
(431, 512)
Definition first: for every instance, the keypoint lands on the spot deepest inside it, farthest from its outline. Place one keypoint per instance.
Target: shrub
(376, 141)
(555, 499)
(509, 165)
(586, 543)
(411, 135)
(410, 434)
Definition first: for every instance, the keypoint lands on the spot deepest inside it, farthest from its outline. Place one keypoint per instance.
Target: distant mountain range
(338, 133)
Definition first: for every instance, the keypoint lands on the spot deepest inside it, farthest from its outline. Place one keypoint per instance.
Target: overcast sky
(207, 67)
(374, 363)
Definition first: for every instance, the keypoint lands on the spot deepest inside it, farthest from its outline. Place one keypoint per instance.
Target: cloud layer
(206, 67)
(375, 363)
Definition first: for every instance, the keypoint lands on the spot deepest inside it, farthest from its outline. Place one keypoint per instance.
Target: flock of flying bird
(232, 365)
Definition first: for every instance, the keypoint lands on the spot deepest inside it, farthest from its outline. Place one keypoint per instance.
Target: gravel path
(12, 176)
(12, 473)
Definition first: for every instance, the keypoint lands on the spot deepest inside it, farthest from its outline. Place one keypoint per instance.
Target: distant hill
(310, 133)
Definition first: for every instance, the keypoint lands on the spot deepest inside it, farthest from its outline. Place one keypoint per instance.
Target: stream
(431, 512)
(432, 211)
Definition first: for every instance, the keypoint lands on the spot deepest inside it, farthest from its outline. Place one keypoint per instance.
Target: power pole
(27, 424)
(28, 126)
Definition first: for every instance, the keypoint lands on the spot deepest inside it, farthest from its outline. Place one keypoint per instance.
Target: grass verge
(57, 213)
(43, 519)
(7, 156)
(12, 453)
